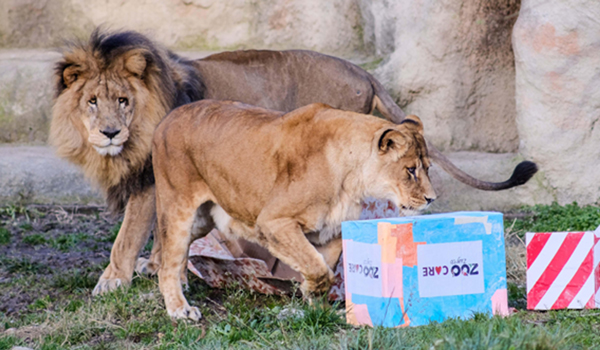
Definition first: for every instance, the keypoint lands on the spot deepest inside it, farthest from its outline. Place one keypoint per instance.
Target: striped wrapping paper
(563, 270)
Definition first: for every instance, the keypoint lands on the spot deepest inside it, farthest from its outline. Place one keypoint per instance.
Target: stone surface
(455, 196)
(557, 55)
(36, 175)
(30, 174)
(331, 26)
(450, 62)
(25, 95)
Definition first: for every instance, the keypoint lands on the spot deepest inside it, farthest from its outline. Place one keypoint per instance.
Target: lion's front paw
(106, 285)
(319, 285)
(186, 312)
(145, 266)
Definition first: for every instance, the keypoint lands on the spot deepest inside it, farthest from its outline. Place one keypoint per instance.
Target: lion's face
(101, 95)
(107, 106)
(107, 110)
(402, 166)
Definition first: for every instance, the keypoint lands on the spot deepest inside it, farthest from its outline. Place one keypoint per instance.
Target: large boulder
(557, 55)
(451, 63)
(330, 26)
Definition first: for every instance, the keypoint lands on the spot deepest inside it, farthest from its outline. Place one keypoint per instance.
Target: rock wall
(557, 54)
(25, 95)
(448, 61)
(330, 26)
(451, 63)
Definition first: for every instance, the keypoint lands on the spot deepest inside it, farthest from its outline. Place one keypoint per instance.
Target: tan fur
(285, 182)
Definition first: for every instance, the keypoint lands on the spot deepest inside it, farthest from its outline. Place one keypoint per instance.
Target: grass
(553, 218)
(5, 236)
(63, 243)
(61, 314)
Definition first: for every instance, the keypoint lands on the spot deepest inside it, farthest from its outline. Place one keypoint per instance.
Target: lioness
(112, 91)
(283, 181)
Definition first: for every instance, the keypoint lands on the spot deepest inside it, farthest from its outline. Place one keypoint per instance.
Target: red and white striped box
(563, 270)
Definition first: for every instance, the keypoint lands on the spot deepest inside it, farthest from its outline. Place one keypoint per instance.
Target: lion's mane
(168, 81)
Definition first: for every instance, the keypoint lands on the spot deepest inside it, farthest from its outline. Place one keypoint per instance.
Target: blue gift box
(410, 271)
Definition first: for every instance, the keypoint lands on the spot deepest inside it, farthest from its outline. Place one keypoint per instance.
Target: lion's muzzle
(109, 141)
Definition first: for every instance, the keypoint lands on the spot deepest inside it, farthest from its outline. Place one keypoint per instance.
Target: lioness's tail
(390, 110)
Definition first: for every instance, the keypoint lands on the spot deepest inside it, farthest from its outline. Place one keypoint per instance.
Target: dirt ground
(50, 245)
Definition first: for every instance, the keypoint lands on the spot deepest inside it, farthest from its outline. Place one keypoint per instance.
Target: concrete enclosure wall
(449, 61)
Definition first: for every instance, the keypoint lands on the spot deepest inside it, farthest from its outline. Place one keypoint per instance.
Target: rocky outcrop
(557, 55)
(451, 63)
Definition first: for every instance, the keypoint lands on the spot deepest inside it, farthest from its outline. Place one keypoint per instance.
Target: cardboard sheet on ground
(222, 261)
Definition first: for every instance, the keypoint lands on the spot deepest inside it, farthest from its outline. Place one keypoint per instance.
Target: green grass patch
(26, 227)
(9, 341)
(13, 210)
(5, 236)
(68, 242)
(41, 303)
(35, 239)
(23, 266)
(75, 281)
(553, 218)
(114, 231)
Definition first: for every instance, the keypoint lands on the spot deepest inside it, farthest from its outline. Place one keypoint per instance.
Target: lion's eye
(123, 101)
(411, 170)
(92, 101)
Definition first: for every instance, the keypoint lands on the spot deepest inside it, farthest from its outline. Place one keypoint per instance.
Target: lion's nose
(429, 200)
(110, 133)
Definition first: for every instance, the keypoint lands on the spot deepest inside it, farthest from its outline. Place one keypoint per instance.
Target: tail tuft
(523, 172)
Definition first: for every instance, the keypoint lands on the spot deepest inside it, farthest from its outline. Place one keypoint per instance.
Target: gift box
(414, 270)
(563, 270)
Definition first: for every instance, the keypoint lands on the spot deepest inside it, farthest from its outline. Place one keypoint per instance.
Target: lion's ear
(413, 122)
(70, 75)
(65, 74)
(136, 62)
(392, 139)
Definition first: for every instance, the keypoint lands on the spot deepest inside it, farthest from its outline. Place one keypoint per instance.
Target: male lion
(285, 182)
(113, 90)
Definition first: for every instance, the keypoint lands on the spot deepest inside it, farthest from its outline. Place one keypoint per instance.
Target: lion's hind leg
(202, 225)
(331, 252)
